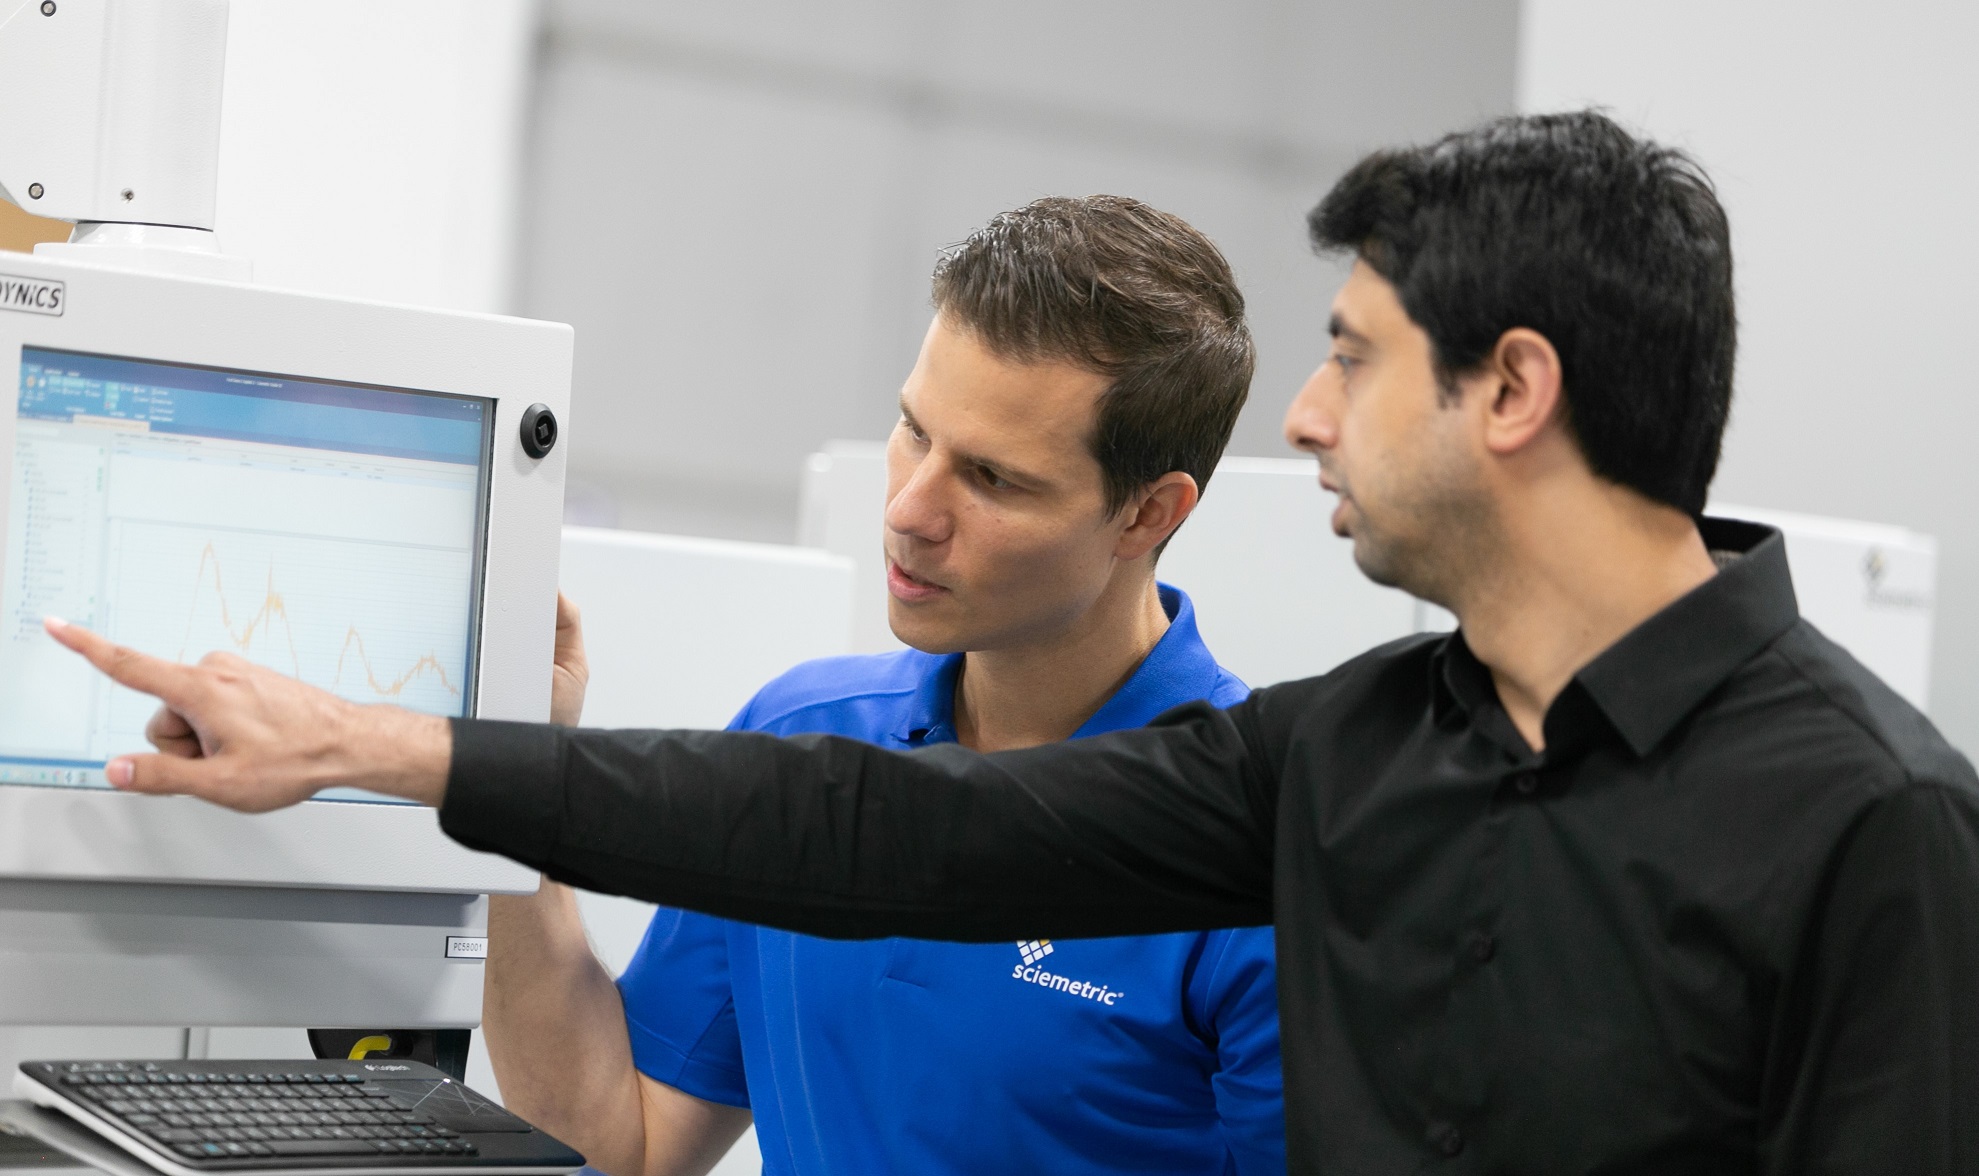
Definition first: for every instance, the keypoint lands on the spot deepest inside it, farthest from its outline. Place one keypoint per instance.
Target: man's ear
(1154, 515)
(1527, 396)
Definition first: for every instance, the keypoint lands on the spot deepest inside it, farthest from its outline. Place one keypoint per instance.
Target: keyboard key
(176, 1135)
(321, 1147)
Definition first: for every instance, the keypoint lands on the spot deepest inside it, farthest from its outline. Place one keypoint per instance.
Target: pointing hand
(246, 737)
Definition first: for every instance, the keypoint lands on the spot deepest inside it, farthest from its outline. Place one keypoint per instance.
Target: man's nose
(1310, 424)
(917, 509)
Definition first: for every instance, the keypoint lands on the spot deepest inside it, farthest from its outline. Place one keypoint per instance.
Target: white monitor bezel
(79, 834)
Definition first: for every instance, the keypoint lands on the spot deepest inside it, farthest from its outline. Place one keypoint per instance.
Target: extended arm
(1167, 828)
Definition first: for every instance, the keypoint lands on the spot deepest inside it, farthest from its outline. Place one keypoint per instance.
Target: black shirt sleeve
(1876, 1057)
(1164, 828)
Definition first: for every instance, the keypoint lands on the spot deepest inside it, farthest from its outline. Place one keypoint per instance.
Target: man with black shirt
(1635, 872)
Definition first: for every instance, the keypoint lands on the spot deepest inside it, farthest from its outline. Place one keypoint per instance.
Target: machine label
(467, 947)
(32, 295)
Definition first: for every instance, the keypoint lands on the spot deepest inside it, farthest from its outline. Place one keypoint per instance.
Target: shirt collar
(1178, 669)
(930, 716)
(1646, 683)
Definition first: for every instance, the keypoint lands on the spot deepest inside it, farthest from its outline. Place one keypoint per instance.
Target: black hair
(1612, 247)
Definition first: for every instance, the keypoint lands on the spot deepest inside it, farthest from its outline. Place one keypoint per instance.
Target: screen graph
(329, 532)
(371, 622)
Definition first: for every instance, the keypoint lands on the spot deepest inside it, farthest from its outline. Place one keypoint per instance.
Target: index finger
(139, 671)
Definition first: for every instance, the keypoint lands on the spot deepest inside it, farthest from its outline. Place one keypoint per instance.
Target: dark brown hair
(1126, 291)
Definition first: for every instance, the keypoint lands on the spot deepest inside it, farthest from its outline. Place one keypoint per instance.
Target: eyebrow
(1004, 469)
(1338, 328)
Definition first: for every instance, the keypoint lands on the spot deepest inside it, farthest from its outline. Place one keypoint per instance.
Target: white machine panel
(105, 953)
(1872, 588)
(842, 499)
(1278, 595)
(289, 540)
(681, 631)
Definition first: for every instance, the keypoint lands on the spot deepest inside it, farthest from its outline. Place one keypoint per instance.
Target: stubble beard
(1438, 543)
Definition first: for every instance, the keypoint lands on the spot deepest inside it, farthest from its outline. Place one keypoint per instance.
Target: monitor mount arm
(110, 118)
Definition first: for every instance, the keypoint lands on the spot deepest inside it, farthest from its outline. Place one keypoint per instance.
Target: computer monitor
(331, 531)
(331, 487)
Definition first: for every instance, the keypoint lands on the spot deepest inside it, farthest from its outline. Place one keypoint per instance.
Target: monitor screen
(330, 531)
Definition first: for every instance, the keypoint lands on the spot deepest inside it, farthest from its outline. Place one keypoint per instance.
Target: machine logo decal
(32, 295)
(1881, 593)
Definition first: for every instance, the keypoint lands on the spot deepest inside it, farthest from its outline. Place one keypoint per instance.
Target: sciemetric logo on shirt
(1034, 950)
(32, 295)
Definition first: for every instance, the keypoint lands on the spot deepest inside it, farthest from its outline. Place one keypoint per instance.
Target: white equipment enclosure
(335, 488)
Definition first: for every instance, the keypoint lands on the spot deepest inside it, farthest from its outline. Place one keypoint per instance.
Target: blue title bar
(245, 406)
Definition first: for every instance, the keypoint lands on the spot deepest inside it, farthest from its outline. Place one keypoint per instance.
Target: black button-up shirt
(1727, 921)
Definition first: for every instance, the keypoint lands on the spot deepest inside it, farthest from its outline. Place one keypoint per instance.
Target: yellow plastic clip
(377, 1042)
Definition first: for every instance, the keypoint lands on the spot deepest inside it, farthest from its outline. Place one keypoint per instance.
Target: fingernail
(118, 772)
(53, 624)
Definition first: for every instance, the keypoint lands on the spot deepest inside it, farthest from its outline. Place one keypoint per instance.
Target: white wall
(373, 147)
(1841, 137)
(738, 202)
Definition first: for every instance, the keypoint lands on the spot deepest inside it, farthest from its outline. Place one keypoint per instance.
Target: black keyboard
(380, 1116)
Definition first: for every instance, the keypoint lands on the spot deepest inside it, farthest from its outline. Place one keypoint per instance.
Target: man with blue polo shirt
(1080, 379)
(1155, 1053)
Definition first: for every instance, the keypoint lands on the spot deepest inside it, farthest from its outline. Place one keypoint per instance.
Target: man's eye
(992, 479)
(1347, 363)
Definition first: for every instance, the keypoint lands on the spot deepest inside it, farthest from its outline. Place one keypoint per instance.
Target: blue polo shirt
(1144, 1054)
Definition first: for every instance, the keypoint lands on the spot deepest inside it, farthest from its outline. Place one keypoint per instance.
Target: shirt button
(1526, 783)
(1445, 1137)
(1483, 947)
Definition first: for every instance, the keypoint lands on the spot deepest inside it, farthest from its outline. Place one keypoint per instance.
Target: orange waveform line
(272, 607)
(397, 686)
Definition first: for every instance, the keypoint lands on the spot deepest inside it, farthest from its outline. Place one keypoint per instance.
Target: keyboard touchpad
(454, 1105)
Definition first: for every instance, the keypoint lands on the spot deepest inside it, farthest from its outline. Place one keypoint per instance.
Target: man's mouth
(909, 588)
(1339, 517)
